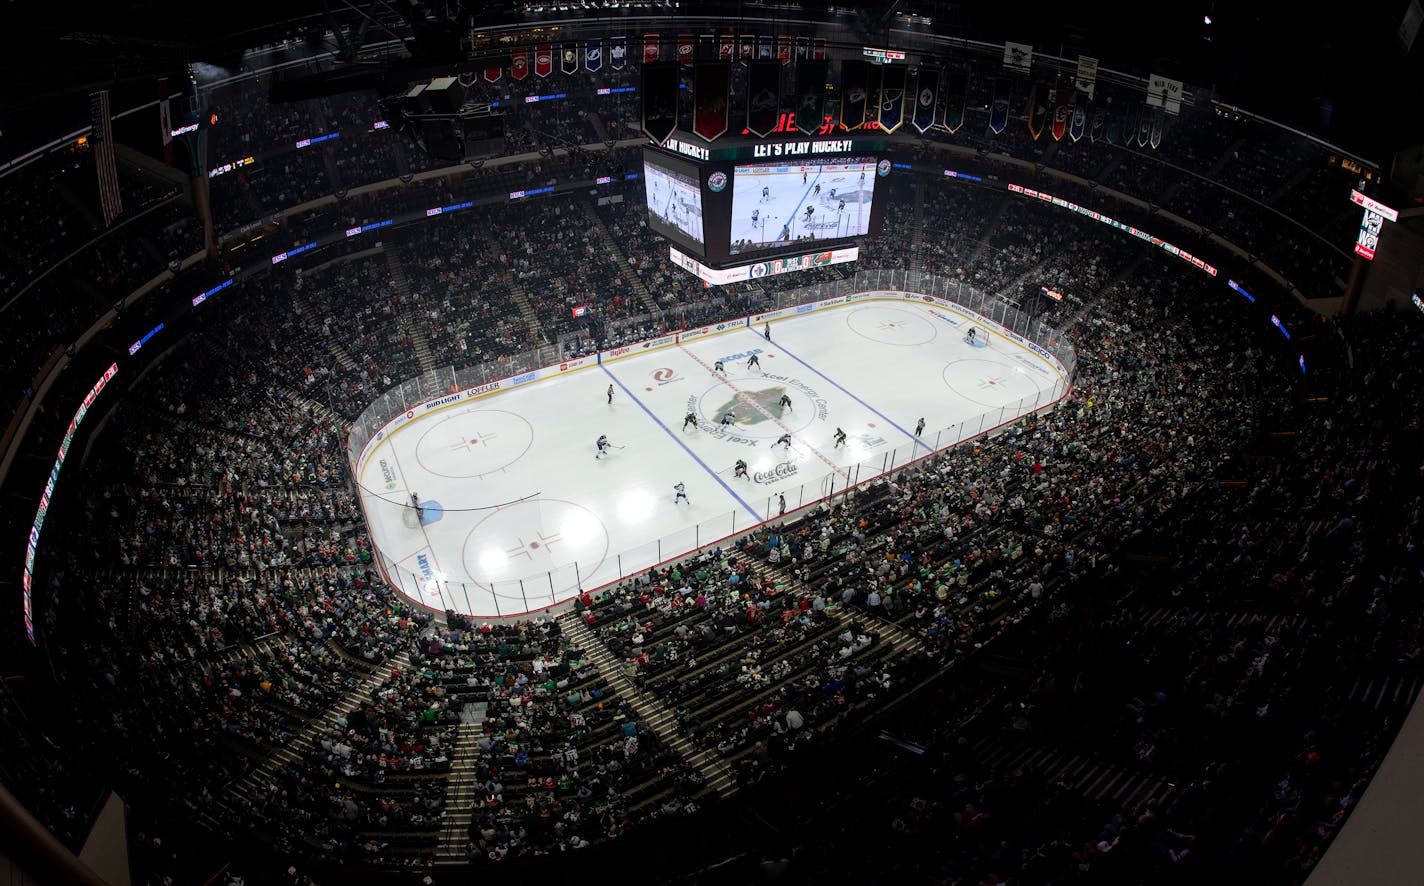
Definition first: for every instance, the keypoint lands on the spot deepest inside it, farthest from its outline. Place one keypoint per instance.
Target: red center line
(759, 408)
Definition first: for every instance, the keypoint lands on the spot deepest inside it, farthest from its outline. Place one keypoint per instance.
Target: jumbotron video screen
(777, 204)
(674, 202)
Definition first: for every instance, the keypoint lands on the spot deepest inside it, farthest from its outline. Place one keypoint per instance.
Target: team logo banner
(926, 99)
(650, 47)
(1158, 122)
(955, 100)
(803, 47)
(710, 88)
(855, 89)
(783, 49)
(810, 94)
(593, 56)
(1037, 109)
(544, 60)
(492, 75)
(763, 97)
(999, 107)
(659, 100)
(519, 64)
(1097, 129)
(764, 47)
(747, 48)
(568, 60)
(617, 52)
(1061, 112)
(818, 51)
(727, 48)
(1080, 116)
(684, 48)
(892, 98)
(1144, 127)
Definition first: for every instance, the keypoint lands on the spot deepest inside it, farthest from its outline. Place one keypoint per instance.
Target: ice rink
(520, 514)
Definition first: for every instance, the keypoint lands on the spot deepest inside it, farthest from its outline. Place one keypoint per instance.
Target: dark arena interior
(1165, 628)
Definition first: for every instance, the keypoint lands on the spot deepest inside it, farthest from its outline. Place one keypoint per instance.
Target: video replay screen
(674, 203)
(775, 204)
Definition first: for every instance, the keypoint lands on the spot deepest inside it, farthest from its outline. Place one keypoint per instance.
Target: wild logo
(757, 406)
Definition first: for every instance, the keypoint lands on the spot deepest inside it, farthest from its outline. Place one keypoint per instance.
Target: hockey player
(689, 419)
(781, 500)
(810, 211)
(919, 427)
(753, 362)
(840, 438)
(756, 216)
(681, 494)
(602, 444)
(969, 336)
(765, 194)
(816, 191)
(803, 175)
(783, 440)
(740, 470)
(718, 367)
(728, 417)
(419, 508)
(841, 207)
(610, 395)
(785, 401)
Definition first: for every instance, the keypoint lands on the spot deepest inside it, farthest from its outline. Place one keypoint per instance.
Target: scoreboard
(731, 204)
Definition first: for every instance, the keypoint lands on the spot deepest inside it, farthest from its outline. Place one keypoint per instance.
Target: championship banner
(1154, 138)
(568, 60)
(727, 48)
(956, 97)
(746, 50)
(892, 98)
(684, 48)
(1061, 113)
(544, 60)
(101, 140)
(999, 107)
(810, 95)
(519, 64)
(706, 47)
(1080, 116)
(765, 50)
(1087, 77)
(763, 97)
(803, 48)
(783, 49)
(926, 99)
(711, 84)
(593, 56)
(1037, 109)
(493, 75)
(617, 52)
(818, 51)
(659, 100)
(855, 87)
(1018, 57)
(165, 121)
(650, 47)
(1144, 127)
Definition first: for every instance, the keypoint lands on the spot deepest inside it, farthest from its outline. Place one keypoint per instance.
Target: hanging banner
(999, 107)
(711, 83)
(746, 49)
(1154, 137)
(1097, 128)
(855, 88)
(956, 94)
(519, 64)
(1163, 92)
(783, 49)
(544, 60)
(926, 99)
(568, 59)
(617, 52)
(659, 100)
(810, 95)
(1087, 77)
(684, 49)
(1144, 127)
(1079, 123)
(1018, 57)
(803, 48)
(1037, 109)
(892, 98)
(763, 97)
(728, 48)
(818, 51)
(765, 50)
(650, 47)
(492, 75)
(1061, 112)
(593, 56)
(165, 120)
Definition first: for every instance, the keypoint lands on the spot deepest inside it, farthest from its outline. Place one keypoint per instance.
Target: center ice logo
(755, 407)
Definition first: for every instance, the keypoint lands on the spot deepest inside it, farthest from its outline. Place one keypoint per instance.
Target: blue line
(706, 467)
(781, 347)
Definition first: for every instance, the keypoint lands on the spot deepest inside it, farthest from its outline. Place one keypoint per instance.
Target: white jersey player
(602, 444)
(681, 491)
(783, 440)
